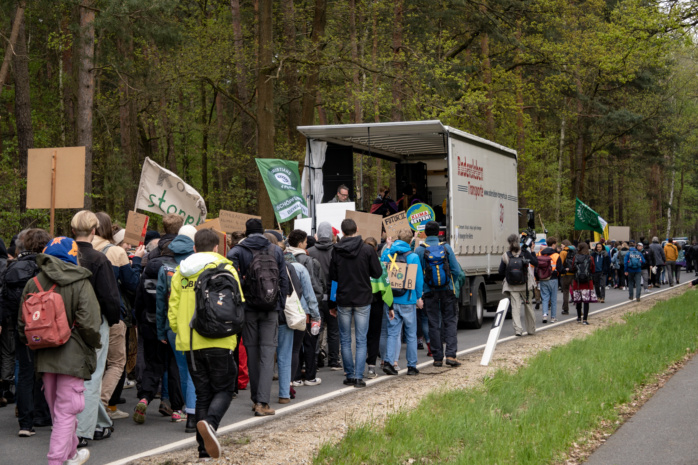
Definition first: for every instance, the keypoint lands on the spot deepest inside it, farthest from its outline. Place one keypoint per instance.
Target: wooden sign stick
(53, 192)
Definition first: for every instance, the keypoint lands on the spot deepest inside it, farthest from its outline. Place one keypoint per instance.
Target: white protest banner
(333, 213)
(161, 191)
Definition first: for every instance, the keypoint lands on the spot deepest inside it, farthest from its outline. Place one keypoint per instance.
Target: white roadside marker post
(495, 332)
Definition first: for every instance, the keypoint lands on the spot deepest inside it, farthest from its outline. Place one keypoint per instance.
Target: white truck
(477, 179)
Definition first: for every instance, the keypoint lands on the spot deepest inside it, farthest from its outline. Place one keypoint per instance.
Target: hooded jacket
(103, 281)
(453, 264)
(602, 262)
(322, 250)
(557, 262)
(77, 357)
(658, 257)
(402, 247)
(145, 302)
(182, 247)
(241, 255)
(305, 292)
(18, 272)
(127, 275)
(182, 302)
(563, 257)
(626, 263)
(352, 266)
(671, 252)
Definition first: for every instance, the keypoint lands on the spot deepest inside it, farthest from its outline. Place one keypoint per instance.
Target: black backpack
(262, 281)
(150, 286)
(582, 268)
(517, 270)
(219, 311)
(569, 260)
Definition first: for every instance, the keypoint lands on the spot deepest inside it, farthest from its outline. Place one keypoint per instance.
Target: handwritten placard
(368, 224)
(136, 228)
(210, 224)
(233, 221)
(402, 275)
(394, 223)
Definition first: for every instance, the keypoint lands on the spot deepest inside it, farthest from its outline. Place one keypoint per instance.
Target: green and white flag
(586, 219)
(283, 185)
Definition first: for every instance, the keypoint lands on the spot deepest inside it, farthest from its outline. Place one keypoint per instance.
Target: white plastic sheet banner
(495, 332)
(161, 191)
(333, 213)
(312, 173)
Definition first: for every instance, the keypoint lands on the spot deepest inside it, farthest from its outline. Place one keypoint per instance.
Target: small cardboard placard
(231, 222)
(215, 224)
(402, 275)
(368, 224)
(136, 228)
(394, 223)
(70, 177)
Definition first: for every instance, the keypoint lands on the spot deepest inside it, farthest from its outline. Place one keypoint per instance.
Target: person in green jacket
(211, 364)
(64, 369)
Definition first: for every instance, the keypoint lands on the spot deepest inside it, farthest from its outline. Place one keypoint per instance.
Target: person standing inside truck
(342, 195)
(519, 283)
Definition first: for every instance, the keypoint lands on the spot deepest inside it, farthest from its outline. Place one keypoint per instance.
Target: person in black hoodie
(260, 333)
(353, 265)
(322, 252)
(32, 408)
(7, 339)
(93, 421)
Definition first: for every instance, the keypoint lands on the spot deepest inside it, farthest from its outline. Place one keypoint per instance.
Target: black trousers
(158, 357)
(442, 311)
(373, 337)
(332, 327)
(296, 356)
(31, 404)
(214, 381)
(307, 356)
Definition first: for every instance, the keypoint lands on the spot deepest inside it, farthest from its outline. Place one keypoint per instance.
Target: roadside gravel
(295, 438)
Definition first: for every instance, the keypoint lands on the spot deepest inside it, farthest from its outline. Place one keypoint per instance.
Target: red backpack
(544, 270)
(45, 320)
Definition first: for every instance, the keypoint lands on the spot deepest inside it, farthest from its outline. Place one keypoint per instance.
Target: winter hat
(150, 235)
(119, 237)
(276, 234)
(431, 228)
(187, 230)
(64, 248)
(253, 226)
(324, 231)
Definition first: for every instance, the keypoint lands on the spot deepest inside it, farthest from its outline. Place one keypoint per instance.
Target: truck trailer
(470, 180)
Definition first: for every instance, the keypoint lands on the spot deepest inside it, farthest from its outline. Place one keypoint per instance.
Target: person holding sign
(398, 256)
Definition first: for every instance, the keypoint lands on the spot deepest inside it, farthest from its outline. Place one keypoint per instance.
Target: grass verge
(533, 415)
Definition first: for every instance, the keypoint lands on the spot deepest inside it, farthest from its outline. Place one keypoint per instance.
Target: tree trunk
(358, 116)
(67, 89)
(558, 191)
(204, 143)
(374, 60)
(290, 76)
(86, 91)
(656, 201)
(25, 134)
(671, 198)
(248, 133)
(10, 50)
(265, 105)
(397, 90)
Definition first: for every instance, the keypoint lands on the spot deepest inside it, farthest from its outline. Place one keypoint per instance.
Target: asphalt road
(130, 439)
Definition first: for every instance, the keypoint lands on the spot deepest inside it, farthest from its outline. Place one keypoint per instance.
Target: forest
(599, 97)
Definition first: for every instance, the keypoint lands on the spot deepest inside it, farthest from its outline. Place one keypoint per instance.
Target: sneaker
(213, 447)
(284, 400)
(103, 434)
(349, 381)
(139, 411)
(537, 306)
(565, 312)
(545, 319)
(178, 416)
(128, 384)
(26, 433)
(312, 382)
(165, 408)
(79, 458)
(452, 362)
(602, 301)
(260, 410)
(371, 373)
(335, 367)
(388, 369)
(190, 427)
(82, 442)
(359, 383)
(519, 334)
(438, 363)
(117, 414)
(553, 320)
(412, 371)
(296, 383)
(579, 320)
(420, 344)
(585, 322)
(396, 366)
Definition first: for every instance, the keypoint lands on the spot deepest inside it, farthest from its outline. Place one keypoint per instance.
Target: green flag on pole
(284, 187)
(586, 219)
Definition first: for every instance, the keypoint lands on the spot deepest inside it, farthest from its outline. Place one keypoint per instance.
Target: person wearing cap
(633, 262)
(65, 369)
(322, 252)
(441, 304)
(260, 333)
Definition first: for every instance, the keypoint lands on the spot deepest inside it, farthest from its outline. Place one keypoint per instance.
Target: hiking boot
(284, 400)
(191, 424)
(79, 458)
(26, 433)
(312, 382)
(211, 444)
(412, 371)
(371, 373)
(388, 369)
(349, 381)
(260, 410)
(139, 411)
(359, 383)
(438, 363)
(452, 362)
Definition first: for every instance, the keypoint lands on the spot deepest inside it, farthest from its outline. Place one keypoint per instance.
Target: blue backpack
(436, 270)
(634, 260)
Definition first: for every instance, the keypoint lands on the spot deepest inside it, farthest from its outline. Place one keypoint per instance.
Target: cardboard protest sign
(619, 233)
(368, 224)
(70, 177)
(233, 222)
(161, 191)
(215, 225)
(402, 275)
(136, 228)
(394, 223)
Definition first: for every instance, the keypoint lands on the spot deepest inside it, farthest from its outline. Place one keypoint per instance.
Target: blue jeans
(353, 369)
(634, 281)
(548, 292)
(188, 391)
(407, 315)
(284, 352)
(383, 346)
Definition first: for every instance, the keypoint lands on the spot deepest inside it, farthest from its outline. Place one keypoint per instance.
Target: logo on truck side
(470, 170)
